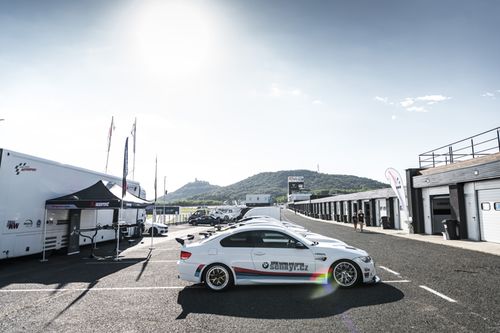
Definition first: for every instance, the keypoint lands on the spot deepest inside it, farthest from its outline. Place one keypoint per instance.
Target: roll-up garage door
(489, 208)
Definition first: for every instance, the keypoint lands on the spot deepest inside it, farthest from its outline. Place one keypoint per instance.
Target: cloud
(432, 99)
(491, 95)
(417, 109)
(393, 117)
(418, 104)
(278, 91)
(384, 100)
(317, 102)
(407, 102)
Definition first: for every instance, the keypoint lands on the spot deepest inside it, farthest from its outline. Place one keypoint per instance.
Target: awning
(101, 195)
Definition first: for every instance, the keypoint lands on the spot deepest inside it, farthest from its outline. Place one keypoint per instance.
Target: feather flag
(125, 169)
(133, 132)
(110, 132)
(156, 176)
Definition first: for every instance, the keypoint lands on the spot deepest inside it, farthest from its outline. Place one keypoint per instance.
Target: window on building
(497, 205)
(485, 206)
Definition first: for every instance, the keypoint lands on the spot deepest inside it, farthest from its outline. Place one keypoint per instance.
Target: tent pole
(44, 234)
(118, 231)
(152, 226)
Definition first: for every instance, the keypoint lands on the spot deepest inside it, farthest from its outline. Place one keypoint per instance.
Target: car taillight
(185, 255)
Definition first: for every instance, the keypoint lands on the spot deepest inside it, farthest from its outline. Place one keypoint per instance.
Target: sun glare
(172, 38)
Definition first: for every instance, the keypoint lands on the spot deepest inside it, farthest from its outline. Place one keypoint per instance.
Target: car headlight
(366, 259)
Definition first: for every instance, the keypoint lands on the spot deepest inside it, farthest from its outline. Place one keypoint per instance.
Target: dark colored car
(204, 219)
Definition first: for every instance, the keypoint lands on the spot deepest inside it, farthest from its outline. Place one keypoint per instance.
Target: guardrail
(482, 144)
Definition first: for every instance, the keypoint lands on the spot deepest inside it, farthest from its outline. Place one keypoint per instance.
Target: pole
(120, 217)
(154, 205)
(164, 194)
(44, 235)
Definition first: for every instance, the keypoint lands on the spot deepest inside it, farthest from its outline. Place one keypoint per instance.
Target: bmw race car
(270, 254)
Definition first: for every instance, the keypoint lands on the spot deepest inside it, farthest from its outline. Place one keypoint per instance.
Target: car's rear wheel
(218, 277)
(154, 231)
(345, 273)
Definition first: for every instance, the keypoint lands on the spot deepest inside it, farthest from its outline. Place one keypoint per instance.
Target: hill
(275, 183)
(189, 190)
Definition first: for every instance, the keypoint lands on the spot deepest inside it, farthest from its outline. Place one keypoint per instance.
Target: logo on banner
(23, 167)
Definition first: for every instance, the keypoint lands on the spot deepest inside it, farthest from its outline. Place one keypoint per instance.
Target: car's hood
(330, 247)
(323, 239)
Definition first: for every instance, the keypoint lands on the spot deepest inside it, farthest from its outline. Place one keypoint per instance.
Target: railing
(482, 144)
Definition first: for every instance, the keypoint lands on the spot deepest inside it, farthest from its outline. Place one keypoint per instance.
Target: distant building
(296, 191)
(257, 200)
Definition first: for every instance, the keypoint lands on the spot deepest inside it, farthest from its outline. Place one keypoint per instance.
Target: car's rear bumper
(189, 272)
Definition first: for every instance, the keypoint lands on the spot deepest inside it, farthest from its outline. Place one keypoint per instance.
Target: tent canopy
(101, 195)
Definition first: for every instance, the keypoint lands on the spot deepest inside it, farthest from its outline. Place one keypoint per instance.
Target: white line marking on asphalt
(95, 289)
(451, 300)
(389, 270)
(397, 281)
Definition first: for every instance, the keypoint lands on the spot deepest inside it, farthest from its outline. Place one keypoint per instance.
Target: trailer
(27, 182)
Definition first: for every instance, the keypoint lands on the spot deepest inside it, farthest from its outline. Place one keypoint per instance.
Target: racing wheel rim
(345, 274)
(217, 277)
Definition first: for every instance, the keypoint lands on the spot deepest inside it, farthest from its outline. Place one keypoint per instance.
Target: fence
(482, 144)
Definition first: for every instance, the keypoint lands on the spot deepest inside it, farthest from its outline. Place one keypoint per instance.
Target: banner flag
(110, 132)
(394, 178)
(125, 169)
(133, 132)
(156, 176)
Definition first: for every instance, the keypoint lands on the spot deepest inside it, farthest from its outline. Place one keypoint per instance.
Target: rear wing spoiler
(182, 240)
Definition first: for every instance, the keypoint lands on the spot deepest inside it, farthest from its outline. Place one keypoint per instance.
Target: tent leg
(44, 235)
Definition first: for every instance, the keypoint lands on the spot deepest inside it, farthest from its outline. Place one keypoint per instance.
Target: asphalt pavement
(426, 288)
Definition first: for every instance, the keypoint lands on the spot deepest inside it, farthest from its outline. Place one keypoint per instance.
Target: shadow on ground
(60, 269)
(284, 302)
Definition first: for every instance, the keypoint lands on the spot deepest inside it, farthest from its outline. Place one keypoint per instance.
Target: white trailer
(26, 183)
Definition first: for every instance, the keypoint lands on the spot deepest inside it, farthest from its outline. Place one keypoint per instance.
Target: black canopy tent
(101, 195)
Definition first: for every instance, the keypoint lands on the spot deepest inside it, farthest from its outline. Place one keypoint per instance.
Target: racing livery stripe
(198, 270)
(250, 273)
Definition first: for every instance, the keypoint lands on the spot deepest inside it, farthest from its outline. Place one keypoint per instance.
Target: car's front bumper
(368, 271)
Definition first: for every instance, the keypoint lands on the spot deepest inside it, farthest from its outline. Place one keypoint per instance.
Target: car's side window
(241, 239)
(275, 239)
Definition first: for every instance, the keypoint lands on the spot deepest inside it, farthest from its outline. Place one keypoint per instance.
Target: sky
(225, 89)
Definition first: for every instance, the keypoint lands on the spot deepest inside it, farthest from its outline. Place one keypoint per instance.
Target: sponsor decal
(38, 223)
(23, 167)
(101, 204)
(198, 270)
(285, 266)
(12, 224)
(28, 223)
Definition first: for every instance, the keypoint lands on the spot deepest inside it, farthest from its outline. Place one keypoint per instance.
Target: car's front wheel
(218, 277)
(345, 273)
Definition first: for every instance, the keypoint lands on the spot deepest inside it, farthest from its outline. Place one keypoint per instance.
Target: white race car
(156, 228)
(258, 254)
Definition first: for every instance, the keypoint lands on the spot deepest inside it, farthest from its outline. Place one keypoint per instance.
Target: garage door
(489, 208)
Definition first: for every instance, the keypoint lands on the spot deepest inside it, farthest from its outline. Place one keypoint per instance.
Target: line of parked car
(214, 216)
(266, 250)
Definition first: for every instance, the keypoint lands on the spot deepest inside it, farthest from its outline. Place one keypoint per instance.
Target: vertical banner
(134, 133)
(156, 176)
(125, 169)
(394, 179)
(110, 134)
